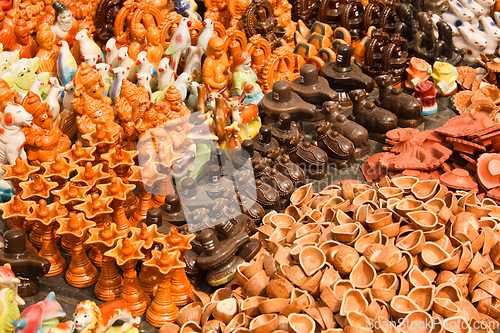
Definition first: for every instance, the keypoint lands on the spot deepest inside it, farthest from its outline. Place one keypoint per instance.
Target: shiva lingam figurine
(348, 128)
(25, 262)
(283, 99)
(80, 273)
(444, 76)
(163, 309)
(44, 140)
(172, 211)
(244, 158)
(193, 196)
(417, 71)
(109, 283)
(47, 216)
(218, 257)
(126, 253)
(426, 92)
(148, 280)
(15, 212)
(344, 77)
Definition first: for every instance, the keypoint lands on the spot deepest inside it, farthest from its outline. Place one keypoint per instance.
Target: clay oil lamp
(145, 177)
(47, 215)
(19, 172)
(15, 212)
(458, 179)
(148, 279)
(80, 273)
(90, 175)
(96, 208)
(120, 161)
(24, 262)
(126, 253)
(109, 283)
(102, 139)
(37, 188)
(163, 309)
(79, 155)
(58, 170)
(182, 290)
(117, 190)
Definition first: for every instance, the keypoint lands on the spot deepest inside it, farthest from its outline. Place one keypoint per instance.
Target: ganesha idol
(44, 140)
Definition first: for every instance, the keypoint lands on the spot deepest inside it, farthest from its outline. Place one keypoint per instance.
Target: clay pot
(297, 249)
(423, 220)
(250, 306)
(342, 218)
(278, 237)
(413, 243)
(252, 269)
(438, 206)
(457, 324)
(300, 323)
(423, 297)
(296, 275)
(417, 278)
(302, 195)
(265, 323)
(433, 255)
(353, 301)
(369, 195)
(363, 274)
(345, 259)
(273, 305)
(256, 286)
(311, 260)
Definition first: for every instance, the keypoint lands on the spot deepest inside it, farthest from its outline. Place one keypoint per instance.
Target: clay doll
(245, 79)
(139, 41)
(445, 49)
(215, 67)
(65, 25)
(154, 47)
(24, 43)
(435, 6)
(7, 37)
(425, 41)
(406, 26)
(48, 51)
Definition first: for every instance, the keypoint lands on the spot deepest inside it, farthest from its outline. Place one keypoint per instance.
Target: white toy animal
(144, 66)
(87, 45)
(435, 19)
(471, 41)
(491, 32)
(69, 89)
(7, 59)
(53, 98)
(36, 86)
(120, 74)
(103, 69)
(111, 51)
(166, 75)
(145, 80)
(475, 8)
(458, 15)
(181, 84)
(125, 62)
(487, 6)
(90, 59)
(192, 101)
(206, 34)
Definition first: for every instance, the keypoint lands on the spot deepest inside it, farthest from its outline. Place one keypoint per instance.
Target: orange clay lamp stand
(126, 253)
(19, 172)
(15, 212)
(90, 175)
(182, 289)
(117, 190)
(58, 170)
(148, 276)
(145, 178)
(80, 273)
(109, 284)
(47, 215)
(69, 196)
(120, 161)
(102, 139)
(163, 309)
(79, 155)
(96, 208)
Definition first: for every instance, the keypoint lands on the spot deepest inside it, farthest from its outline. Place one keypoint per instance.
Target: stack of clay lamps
(15, 212)
(148, 278)
(80, 273)
(79, 155)
(109, 284)
(401, 251)
(164, 160)
(163, 309)
(90, 175)
(59, 170)
(69, 196)
(36, 189)
(182, 289)
(46, 216)
(484, 98)
(117, 190)
(102, 140)
(120, 161)
(96, 208)
(19, 172)
(126, 253)
(146, 178)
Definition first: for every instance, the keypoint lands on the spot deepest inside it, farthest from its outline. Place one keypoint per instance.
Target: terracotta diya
(117, 190)
(58, 170)
(79, 155)
(15, 212)
(37, 188)
(21, 171)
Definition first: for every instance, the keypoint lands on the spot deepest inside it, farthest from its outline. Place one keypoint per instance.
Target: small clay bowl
(388, 256)
(310, 228)
(423, 220)
(337, 203)
(346, 233)
(402, 266)
(379, 220)
(423, 297)
(256, 286)
(436, 233)
(241, 320)
(345, 259)
(401, 306)
(357, 322)
(281, 220)
(363, 242)
(311, 259)
(419, 317)
(190, 327)
(279, 236)
(273, 305)
(391, 230)
(297, 248)
(445, 307)
(390, 192)
(363, 274)
(425, 190)
(250, 306)
(302, 195)
(296, 275)
(252, 269)
(300, 323)
(225, 310)
(369, 195)
(406, 206)
(405, 182)
(417, 278)
(265, 323)
(353, 300)
(413, 242)
(434, 255)
(266, 220)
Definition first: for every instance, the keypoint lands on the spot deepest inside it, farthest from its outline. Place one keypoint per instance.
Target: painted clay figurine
(25, 44)
(138, 43)
(245, 79)
(179, 42)
(9, 310)
(47, 52)
(417, 71)
(64, 25)
(41, 316)
(216, 65)
(426, 93)
(66, 63)
(89, 317)
(471, 41)
(154, 47)
(7, 37)
(444, 76)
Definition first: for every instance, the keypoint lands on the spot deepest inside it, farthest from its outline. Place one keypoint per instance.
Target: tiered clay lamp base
(109, 284)
(118, 190)
(126, 254)
(80, 273)
(21, 171)
(15, 212)
(163, 309)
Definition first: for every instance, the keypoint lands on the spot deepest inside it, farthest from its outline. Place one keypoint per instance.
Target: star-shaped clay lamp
(95, 205)
(117, 157)
(163, 309)
(21, 170)
(71, 194)
(16, 207)
(148, 234)
(78, 154)
(47, 214)
(116, 189)
(39, 187)
(58, 168)
(147, 175)
(75, 224)
(175, 241)
(90, 175)
(107, 235)
(126, 250)
(165, 157)
(100, 136)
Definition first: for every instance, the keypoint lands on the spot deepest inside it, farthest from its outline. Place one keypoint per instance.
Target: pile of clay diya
(462, 154)
(358, 258)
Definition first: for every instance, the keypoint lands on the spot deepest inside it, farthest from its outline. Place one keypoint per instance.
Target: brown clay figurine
(344, 77)
(25, 262)
(172, 210)
(407, 108)
(283, 99)
(265, 140)
(425, 40)
(340, 150)
(348, 128)
(216, 65)
(308, 156)
(284, 127)
(253, 190)
(274, 178)
(192, 196)
(282, 163)
(445, 48)
(406, 26)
